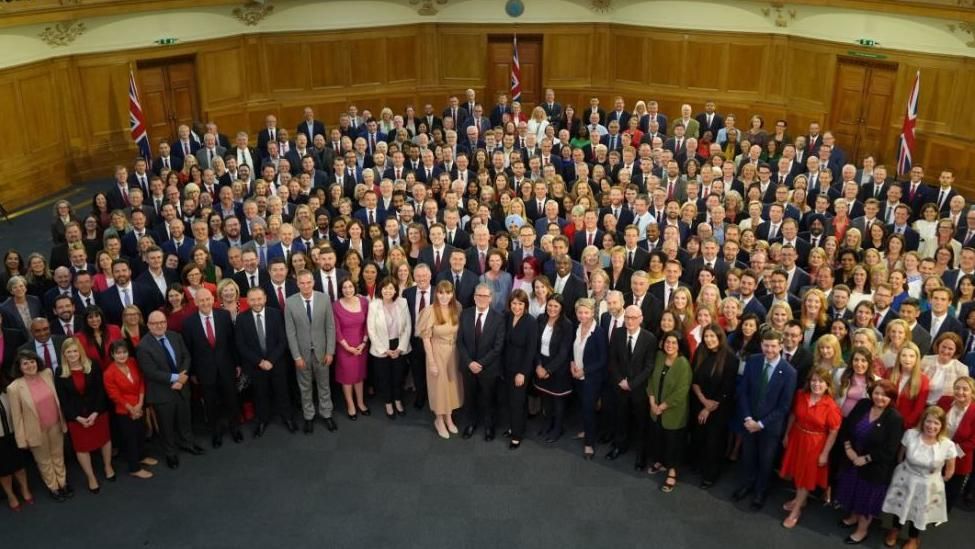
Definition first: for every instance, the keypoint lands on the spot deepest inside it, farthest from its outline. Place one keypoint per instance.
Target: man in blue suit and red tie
(764, 400)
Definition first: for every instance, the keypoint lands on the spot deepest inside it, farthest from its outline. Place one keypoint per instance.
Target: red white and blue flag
(906, 147)
(137, 121)
(515, 74)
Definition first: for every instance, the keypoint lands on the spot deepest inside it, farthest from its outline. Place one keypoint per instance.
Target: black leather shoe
(96, 490)
(172, 462)
(420, 403)
(488, 434)
(352, 417)
(843, 524)
(365, 411)
(291, 425)
(309, 426)
(757, 503)
(68, 491)
(506, 433)
(58, 496)
(741, 493)
(237, 436)
(468, 431)
(614, 453)
(259, 430)
(639, 465)
(195, 450)
(217, 441)
(400, 412)
(330, 424)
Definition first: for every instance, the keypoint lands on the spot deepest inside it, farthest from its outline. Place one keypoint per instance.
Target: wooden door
(500, 53)
(862, 102)
(167, 90)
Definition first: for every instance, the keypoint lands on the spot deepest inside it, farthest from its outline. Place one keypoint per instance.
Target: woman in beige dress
(438, 326)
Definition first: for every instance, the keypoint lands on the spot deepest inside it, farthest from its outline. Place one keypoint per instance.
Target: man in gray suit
(311, 338)
(210, 150)
(165, 364)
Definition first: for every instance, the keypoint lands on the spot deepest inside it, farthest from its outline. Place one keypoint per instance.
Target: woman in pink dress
(352, 346)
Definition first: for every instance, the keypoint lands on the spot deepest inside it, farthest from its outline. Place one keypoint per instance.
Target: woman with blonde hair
(538, 123)
(828, 353)
(682, 307)
(778, 315)
(812, 316)
(85, 409)
(598, 290)
(912, 384)
(897, 334)
(853, 239)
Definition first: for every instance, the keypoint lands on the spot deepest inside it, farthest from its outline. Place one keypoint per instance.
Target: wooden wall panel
(706, 65)
(567, 59)
(369, 66)
(809, 75)
(11, 131)
(287, 66)
(630, 52)
(328, 64)
(223, 75)
(666, 60)
(747, 68)
(462, 56)
(401, 59)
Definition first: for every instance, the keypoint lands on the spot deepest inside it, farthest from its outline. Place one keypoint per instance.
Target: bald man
(209, 336)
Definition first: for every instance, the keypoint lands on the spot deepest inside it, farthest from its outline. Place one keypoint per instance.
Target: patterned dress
(917, 491)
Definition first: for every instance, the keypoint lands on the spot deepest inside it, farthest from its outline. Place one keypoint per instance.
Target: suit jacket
(208, 363)
(176, 147)
(290, 288)
(574, 289)
(204, 159)
(772, 409)
(882, 442)
(175, 163)
(802, 362)
(248, 348)
(520, 344)
(379, 336)
(516, 258)
(911, 238)
(155, 367)
(651, 306)
(950, 324)
(182, 251)
(922, 338)
(75, 404)
(427, 257)
(964, 435)
(717, 122)
(693, 128)
(26, 421)
(635, 368)
(464, 292)
(77, 324)
(111, 302)
(35, 306)
(310, 340)
(485, 350)
(318, 128)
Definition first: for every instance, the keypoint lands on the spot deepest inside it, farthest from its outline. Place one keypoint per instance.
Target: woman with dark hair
(668, 390)
(13, 265)
(96, 336)
(177, 308)
(61, 216)
(85, 408)
(552, 376)
(713, 403)
(388, 329)
(37, 421)
(869, 438)
(520, 344)
(100, 210)
(126, 389)
(351, 344)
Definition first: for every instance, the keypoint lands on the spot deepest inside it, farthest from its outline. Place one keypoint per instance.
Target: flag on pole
(906, 146)
(515, 73)
(137, 121)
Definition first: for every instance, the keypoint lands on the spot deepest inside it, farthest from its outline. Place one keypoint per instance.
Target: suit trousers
(314, 373)
(222, 404)
(271, 393)
(417, 360)
(49, 457)
(759, 451)
(131, 439)
(389, 377)
(632, 417)
(515, 399)
(554, 407)
(480, 391)
(590, 390)
(175, 424)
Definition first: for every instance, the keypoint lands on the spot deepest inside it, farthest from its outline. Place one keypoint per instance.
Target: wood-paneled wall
(66, 119)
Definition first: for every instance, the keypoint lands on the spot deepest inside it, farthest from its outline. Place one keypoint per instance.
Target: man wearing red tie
(281, 286)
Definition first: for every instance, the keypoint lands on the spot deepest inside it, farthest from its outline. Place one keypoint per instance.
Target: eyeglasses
(483, 295)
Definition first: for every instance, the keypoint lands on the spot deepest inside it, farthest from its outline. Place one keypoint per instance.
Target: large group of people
(694, 290)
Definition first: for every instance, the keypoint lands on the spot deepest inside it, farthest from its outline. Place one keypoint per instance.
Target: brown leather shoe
(890, 540)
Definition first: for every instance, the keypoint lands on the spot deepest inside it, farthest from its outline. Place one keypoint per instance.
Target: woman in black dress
(552, 378)
(520, 343)
(713, 401)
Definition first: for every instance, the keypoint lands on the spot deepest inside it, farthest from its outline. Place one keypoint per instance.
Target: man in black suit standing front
(464, 281)
(165, 364)
(263, 346)
(209, 336)
(418, 297)
(479, 345)
(631, 359)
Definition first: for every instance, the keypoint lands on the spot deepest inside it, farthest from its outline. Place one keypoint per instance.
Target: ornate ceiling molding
(253, 12)
(427, 7)
(777, 12)
(966, 28)
(62, 34)
(601, 6)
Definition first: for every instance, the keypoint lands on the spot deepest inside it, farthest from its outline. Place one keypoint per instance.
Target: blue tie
(308, 309)
(170, 354)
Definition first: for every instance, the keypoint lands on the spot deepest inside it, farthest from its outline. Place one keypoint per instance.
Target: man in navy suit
(749, 301)
(309, 126)
(764, 399)
(371, 214)
(916, 193)
(217, 249)
(155, 280)
(437, 254)
(480, 341)
(527, 239)
(209, 336)
(464, 281)
(590, 235)
(184, 145)
(966, 265)
(912, 239)
(286, 245)
(179, 244)
(938, 321)
(122, 294)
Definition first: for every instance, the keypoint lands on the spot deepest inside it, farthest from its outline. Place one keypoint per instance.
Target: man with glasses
(631, 359)
(479, 344)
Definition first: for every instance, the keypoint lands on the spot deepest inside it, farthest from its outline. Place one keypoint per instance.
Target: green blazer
(676, 390)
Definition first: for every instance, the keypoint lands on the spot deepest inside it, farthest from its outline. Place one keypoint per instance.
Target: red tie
(47, 355)
(876, 319)
(589, 238)
(68, 331)
(211, 338)
(331, 289)
(281, 296)
(670, 191)
(125, 195)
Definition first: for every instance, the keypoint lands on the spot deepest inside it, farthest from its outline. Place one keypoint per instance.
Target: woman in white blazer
(389, 328)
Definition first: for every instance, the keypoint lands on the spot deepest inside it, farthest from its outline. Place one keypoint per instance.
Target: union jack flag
(137, 121)
(515, 74)
(906, 146)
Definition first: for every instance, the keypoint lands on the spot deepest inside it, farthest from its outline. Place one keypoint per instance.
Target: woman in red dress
(96, 336)
(176, 307)
(85, 409)
(193, 281)
(912, 384)
(813, 426)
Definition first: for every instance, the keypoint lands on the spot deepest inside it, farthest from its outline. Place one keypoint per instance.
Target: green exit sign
(167, 41)
(867, 42)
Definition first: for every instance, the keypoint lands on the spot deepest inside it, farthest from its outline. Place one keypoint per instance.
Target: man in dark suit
(154, 281)
(437, 254)
(209, 336)
(64, 321)
(632, 352)
(279, 286)
(309, 126)
(902, 214)
(937, 321)
(46, 345)
(165, 364)
(328, 277)
(779, 292)
(124, 293)
(553, 109)
(749, 300)
(118, 195)
(909, 312)
(184, 145)
(527, 248)
(263, 348)
(166, 160)
(568, 284)
(268, 134)
(479, 344)
(764, 400)
(795, 353)
(916, 193)
(464, 281)
(710, 121)
(663, 291)
(418, 297)
(458, 113)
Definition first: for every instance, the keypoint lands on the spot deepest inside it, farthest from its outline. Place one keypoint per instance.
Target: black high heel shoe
(353, 416)
(365, 411)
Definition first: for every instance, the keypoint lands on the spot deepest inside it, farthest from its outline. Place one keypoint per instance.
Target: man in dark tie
(632, 352)
(165, 363)
(479, 345)
(418, 297)
(764, 400)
